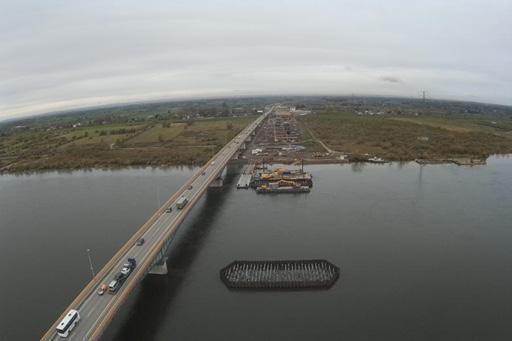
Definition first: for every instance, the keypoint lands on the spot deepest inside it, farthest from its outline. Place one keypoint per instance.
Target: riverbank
(283, 161)
(397, 138)
(322, 138)
(114, 146)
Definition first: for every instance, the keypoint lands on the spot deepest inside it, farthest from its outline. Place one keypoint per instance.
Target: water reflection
(156, 293)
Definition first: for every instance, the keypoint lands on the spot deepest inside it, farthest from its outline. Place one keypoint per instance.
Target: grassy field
(409, 138)
(461, 124)
(157, 134)
(102, 135)
(188, 132)
(118, 145)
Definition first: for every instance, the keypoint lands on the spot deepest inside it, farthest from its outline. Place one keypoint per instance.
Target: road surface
(97, 311)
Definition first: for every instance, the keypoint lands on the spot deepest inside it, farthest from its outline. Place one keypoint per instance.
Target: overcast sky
(65, 54)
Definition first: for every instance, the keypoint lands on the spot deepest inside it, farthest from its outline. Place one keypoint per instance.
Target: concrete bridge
(97, 311)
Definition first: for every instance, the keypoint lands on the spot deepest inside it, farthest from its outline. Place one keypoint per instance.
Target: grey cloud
(65, 54)
(390, 79)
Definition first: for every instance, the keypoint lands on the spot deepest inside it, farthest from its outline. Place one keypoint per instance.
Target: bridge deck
(97, 311)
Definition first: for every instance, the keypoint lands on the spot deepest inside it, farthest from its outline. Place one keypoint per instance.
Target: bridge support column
(160, 268)
(219, 181)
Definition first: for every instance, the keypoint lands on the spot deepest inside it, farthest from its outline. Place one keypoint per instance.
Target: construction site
(283, 139)
(277, 153)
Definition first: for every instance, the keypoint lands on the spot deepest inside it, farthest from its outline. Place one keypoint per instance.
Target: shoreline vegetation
(190, 133)
(116, 146)
(159, 165)
(422, 139)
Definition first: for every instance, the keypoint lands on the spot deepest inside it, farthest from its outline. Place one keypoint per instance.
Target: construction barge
(277, 187)
(298, 177)
(281, 274)
(279, 180)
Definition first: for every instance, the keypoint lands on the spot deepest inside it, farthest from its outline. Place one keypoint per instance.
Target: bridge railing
(144, 267)
(86, 291)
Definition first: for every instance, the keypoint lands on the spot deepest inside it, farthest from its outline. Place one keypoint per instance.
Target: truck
(181, 203)
(115, 284)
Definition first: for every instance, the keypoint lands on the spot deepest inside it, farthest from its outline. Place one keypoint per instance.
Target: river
(424, 253)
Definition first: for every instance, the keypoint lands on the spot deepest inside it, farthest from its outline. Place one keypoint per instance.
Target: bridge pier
(159, 268)
(219, 181)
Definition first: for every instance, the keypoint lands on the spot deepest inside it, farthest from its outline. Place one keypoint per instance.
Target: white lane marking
(102, 313)
(90, 300)
(113, 298)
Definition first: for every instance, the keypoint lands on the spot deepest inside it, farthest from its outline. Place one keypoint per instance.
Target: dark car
(120, 277)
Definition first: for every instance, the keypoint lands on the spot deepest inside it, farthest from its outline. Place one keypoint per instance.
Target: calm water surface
(425, 253)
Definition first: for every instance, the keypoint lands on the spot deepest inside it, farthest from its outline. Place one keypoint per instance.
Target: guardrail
(147, 263)
(89, 288)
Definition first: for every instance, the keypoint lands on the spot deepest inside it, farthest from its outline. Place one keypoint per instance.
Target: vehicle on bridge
(102, 289)
(68, 323)
(113, 286)
(142, 240)
(128, 267)
(116, 283)
(126, 270)
(181, 203)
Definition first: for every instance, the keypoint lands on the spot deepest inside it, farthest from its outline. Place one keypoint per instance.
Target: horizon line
(232, 96)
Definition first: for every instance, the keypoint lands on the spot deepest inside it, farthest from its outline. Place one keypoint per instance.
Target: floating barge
(245, 178)
(283, 189)
(281, 274)
(295, 176)
(244, 181)
(377, 160)
(457, 161)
